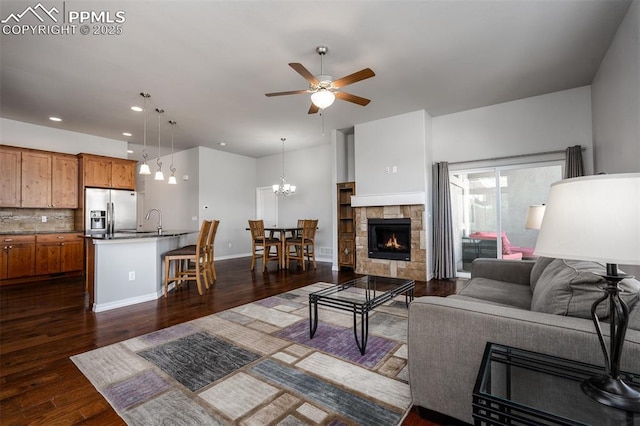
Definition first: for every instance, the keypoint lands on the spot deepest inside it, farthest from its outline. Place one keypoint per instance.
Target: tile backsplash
(30, 220)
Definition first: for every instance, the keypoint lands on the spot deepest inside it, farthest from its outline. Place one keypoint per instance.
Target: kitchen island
(125, 268)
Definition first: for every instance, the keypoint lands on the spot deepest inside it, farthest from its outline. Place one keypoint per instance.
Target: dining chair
(261, 245)
(304, 245)
(209, 248)
(183, 256)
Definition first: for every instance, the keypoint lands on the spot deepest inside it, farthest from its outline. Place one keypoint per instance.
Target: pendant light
(159, 174)
(283, 188)
(172, 178)
(144, 167)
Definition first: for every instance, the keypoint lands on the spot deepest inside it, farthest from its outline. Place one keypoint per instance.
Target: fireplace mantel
(396, 199)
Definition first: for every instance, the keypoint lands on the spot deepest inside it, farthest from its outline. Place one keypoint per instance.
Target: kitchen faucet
(159, 219)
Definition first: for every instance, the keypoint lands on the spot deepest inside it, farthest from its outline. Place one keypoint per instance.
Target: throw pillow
(570, 287)
(537, 270)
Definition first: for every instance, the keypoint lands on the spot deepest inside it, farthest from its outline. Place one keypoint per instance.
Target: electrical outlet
(132, 275)
(230, 245)
(386, 169)
(44, 219)
(394, 169)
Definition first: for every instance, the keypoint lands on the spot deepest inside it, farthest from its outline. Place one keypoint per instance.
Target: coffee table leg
(364, 329)
(408, 297)
(313, 318)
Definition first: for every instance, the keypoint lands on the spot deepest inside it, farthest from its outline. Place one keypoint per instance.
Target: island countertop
(127, 235)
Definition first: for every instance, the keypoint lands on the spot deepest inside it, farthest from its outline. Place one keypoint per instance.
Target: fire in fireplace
(389, 239)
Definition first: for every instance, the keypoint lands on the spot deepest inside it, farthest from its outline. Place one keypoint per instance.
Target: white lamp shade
(593, 218)
(144, 169)
(323, 98)
(159, 175)
(534, 217)
(172, 180)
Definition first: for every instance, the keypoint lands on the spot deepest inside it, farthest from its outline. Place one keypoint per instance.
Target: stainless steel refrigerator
(110, 210)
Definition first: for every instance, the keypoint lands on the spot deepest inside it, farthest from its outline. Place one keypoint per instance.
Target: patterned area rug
(255, 365)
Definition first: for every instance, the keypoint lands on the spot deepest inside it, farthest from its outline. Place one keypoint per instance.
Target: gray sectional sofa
(542, 306)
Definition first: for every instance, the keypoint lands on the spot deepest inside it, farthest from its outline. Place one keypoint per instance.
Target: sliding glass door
(490, 208)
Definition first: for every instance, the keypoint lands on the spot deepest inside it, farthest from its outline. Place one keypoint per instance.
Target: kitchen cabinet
(107, 172)
(36, 179)
(10, 179)
(17, 256)
(59, 253)
(346, 226)
(64, 181)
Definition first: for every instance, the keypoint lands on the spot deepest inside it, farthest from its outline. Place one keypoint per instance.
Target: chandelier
(283, 188)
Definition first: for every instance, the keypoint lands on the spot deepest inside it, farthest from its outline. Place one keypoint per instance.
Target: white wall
(616, 100)
(538, 124)
(616, 104)
(398, 141)
(26, 135)
(311, 171)
(228, 189)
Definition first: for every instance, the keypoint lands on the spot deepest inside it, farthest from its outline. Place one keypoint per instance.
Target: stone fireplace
(416, 267)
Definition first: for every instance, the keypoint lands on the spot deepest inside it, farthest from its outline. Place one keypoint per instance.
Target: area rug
(256, 365)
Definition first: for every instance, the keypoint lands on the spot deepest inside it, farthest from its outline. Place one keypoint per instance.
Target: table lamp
(534, 217)
(597, 218)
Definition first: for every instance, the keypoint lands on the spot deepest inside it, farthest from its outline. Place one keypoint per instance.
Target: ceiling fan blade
(313, 109)
(291, 92)
(352, 98)
(305, 73)
(353, 78)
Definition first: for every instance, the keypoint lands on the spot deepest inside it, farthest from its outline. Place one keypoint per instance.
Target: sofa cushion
(498, 292)
(537, 270)
(570, 287)
(634, 317)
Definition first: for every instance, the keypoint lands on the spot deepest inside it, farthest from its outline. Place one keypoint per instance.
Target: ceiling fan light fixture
(323, 98)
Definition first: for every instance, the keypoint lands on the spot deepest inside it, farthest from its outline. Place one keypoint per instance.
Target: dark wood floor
(42, 324)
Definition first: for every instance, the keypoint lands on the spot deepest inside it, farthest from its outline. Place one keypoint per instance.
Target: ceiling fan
(323, 88)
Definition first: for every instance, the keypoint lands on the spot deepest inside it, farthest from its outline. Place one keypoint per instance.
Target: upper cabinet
(10, 179)
(38, 179)
(64, 181)
(107, 172)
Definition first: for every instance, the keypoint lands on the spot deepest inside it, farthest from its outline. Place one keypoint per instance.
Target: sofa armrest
(447, 337)
(510, 271)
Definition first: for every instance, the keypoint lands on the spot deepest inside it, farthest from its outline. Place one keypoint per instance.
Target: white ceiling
(209, 64)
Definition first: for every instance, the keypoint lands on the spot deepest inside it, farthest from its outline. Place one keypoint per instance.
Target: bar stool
(261, 245)
(192, 253)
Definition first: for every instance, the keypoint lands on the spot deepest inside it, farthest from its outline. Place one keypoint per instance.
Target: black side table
(518, 387)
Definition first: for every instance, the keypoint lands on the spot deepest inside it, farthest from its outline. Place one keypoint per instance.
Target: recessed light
(222, 144)
(129, 151)
(55, 119)
(137, 108)
(126, 134)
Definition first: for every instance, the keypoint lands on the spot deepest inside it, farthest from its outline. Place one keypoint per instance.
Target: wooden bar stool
(304, 245)
(182, 256)
(261, 245)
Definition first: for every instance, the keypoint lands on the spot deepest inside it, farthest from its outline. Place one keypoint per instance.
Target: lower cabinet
(17, 257)
(27, 257)
(59, 253)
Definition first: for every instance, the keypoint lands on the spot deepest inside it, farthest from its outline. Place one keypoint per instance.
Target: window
(494, 201)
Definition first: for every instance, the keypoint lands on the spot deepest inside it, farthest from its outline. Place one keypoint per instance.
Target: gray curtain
(443, 250)
(573, 162)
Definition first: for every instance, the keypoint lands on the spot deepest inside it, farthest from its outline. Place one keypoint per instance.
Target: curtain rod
(507, 157)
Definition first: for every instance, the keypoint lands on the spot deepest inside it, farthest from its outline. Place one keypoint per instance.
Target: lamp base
(612, 392)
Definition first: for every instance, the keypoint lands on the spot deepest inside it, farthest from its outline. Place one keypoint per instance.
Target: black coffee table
(359, 296)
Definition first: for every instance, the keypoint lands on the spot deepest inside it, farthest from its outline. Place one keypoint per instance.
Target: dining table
(281, 232)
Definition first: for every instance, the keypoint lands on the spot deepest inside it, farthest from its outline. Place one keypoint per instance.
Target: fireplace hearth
(389, 239)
